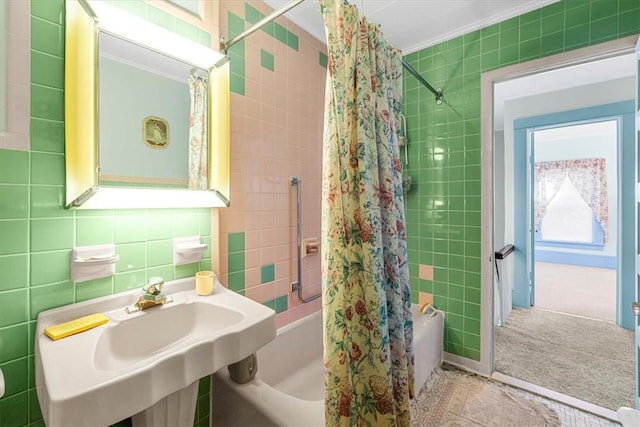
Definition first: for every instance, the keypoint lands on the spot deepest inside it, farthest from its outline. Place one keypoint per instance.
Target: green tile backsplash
(443, 207)
(37, 233)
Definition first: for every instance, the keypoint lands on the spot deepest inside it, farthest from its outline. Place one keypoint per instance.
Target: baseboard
(467, 364)
(571, 258)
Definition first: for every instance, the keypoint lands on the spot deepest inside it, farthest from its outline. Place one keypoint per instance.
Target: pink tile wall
(276, 133)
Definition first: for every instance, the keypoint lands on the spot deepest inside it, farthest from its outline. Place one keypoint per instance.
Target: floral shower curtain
(198, 147)
(368, 329)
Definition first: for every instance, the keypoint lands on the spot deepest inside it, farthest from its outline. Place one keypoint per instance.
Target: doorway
(496, 189)
(568, 214)
(575, 218)
(566, 209)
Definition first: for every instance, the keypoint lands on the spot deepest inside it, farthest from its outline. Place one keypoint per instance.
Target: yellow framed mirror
(94, 135)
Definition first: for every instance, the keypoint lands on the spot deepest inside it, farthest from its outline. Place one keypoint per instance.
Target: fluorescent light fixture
(130, 27)
(142, 198)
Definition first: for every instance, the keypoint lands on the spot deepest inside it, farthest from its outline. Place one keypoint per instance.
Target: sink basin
(136, 360)
(154, 332)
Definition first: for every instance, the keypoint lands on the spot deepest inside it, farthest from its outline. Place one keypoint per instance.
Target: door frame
(579, 56)
(622, 112)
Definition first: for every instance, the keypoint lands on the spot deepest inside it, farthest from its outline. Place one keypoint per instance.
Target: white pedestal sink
(146, 364)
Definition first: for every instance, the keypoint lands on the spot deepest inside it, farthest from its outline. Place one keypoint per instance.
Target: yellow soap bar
(75, 326)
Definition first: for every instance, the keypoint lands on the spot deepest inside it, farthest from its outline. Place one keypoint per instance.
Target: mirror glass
(144, 109)
(147, 110)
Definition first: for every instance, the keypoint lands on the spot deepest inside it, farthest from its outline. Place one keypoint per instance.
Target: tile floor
(569, 416)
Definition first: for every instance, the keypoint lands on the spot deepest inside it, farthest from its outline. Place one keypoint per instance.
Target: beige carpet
(585, 291)
(454, 398)
(588, 359)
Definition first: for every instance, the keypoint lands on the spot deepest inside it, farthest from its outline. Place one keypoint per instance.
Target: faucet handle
(154, 286)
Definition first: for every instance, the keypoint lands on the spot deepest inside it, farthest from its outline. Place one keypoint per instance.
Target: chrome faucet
(151, 297)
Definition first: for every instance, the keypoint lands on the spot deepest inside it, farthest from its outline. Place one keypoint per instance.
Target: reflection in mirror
(145, 140)
(148, 114)
(191, 6)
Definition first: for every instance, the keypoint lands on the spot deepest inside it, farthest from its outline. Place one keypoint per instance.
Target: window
(568, 217)
(571, 194)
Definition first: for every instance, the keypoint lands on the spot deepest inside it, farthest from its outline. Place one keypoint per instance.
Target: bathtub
(288, 389)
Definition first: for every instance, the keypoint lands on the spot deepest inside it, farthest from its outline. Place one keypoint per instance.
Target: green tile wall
(443, 207)
(36, 233)
(235, 261)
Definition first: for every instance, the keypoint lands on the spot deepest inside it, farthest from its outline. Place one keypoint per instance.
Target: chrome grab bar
(297, 285)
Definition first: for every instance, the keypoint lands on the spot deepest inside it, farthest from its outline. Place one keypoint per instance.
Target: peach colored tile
(252, 276)
(283, 271)
(425, 272)
(251, 239)
(266, 202)
(267, 237)
(253, 107)
(268, 222)
(223, 278)
(267, 77)
(293, 300)
(282, 319)
(294, 314)
(237, 104)
(267, 255)
(283, 287)
(254, 292)
(224, 242)
(252, 258)
(236, 7)
(236, 223)
(268, 291)
(284, 220)
(267, 94)
(424, 298)
(252, 127)
(252, 90)
(282, 253)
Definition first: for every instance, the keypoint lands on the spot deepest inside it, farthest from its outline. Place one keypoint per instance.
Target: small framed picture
(155, 132)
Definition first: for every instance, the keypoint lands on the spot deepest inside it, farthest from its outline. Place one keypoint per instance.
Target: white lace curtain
(589, 176)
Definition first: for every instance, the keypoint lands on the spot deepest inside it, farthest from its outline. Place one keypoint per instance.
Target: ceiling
(411, 25)
(587, 76)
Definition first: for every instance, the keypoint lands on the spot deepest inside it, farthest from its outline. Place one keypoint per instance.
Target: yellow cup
(204, 282)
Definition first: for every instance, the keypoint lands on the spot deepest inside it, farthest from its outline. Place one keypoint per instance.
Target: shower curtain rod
(287, 7)
(261, 23)
(436, 92)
